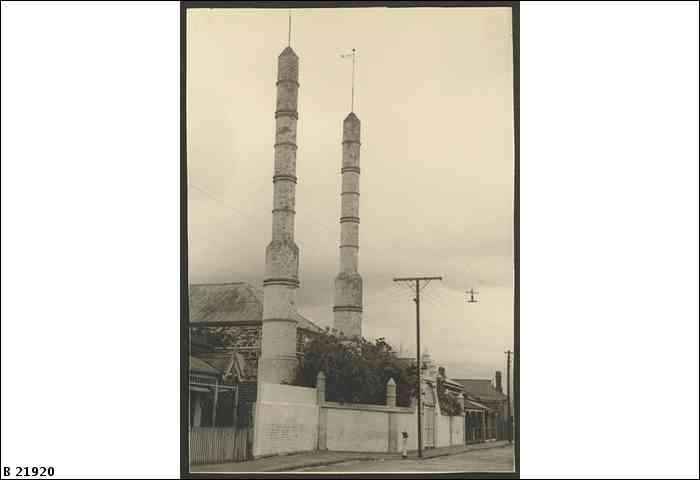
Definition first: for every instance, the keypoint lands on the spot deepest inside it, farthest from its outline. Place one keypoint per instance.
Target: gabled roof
(198, 365)
(227, 366)
(237, 302)
(481, 389)
(472, 405)
(235, 367)
(453, 385)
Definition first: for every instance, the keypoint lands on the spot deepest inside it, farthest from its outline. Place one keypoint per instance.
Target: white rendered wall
(286, 420)
(357, 430)
(457, 430)
(442, 424)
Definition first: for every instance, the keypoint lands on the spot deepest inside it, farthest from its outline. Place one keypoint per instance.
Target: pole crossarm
(412, 279)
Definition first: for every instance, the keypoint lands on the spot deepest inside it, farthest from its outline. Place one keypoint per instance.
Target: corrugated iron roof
(472, 405)
(237, 302)
(218, 360)
(449, 383)
(200, 366)
(480, 388)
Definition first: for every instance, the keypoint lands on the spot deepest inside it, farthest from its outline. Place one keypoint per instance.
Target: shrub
(356, 370)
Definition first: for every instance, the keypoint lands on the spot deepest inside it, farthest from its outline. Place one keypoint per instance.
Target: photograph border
(184, 259)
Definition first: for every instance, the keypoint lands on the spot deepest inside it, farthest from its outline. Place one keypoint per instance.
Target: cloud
(435, 101)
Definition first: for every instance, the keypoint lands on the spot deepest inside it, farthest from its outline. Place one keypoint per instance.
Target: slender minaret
(347, 311)
(278, 349)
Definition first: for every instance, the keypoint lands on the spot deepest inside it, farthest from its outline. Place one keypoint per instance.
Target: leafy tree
(356, 370)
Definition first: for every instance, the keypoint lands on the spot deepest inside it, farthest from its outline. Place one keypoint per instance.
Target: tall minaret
(279, 327)
(347, 311)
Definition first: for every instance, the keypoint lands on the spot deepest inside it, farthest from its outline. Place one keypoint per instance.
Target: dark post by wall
(322, 421)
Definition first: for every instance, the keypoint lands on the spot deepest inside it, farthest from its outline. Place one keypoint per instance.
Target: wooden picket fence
(220, 444)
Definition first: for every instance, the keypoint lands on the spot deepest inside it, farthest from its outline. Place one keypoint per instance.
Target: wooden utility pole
(510, 419)
(417, 281)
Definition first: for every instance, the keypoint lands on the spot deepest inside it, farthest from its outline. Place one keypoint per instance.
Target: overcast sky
(434, 95)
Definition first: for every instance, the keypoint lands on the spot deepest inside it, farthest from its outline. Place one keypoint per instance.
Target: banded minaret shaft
(347, 311)
(278, 350)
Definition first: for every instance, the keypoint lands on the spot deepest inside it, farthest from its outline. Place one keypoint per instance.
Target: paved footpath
(303, 461)
(476, 461)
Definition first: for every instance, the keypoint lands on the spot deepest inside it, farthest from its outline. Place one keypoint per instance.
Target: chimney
(499, 384)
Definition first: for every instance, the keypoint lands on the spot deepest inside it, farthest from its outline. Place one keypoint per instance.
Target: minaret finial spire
(352, 95)
(289, 30)
(352, 90)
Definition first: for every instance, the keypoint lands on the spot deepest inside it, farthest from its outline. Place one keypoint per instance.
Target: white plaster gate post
(391, 393)
(393, 427)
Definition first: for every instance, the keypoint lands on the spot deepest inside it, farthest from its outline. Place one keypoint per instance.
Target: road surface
(488, 460)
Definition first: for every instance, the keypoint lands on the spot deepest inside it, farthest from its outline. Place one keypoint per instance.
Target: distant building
(204, 379)
(483, 392)
(226, 322)
(212, 389)
(450, 385)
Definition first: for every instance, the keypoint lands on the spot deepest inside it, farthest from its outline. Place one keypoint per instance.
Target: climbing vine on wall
(449, 403)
